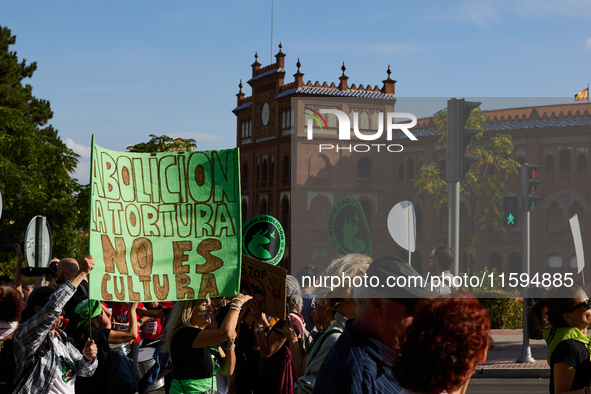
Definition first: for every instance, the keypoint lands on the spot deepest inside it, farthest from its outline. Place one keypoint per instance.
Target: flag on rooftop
(583, 95)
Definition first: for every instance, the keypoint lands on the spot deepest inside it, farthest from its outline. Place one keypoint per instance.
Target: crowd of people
(331, 340)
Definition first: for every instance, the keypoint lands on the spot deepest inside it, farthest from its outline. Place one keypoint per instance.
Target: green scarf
(554, 336)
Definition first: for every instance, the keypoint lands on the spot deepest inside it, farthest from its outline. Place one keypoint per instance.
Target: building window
(515, 263)
(554, 218)
(564, 165)
(265, 173)
(410, 169)
(286, 167)
(263, 210)
(549, 165)
(244, 173)
(555, 262)
(582, 164)
(495, 262)
(272, 169)
(364, 168)
(520, 159)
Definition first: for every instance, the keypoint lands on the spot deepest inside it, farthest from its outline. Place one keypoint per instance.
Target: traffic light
(528, 186)
(458, 138)
(510, 211)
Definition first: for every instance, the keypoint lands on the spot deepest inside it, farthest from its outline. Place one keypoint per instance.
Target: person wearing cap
(361, 359)
(90, 313)
(57, 368)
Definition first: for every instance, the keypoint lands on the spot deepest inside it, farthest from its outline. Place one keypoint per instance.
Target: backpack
(122, 377)
(306, 337)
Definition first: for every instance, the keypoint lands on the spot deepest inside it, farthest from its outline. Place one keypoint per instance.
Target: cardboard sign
(264, 239)
(164, 226)
(266, 284)
(347, 227)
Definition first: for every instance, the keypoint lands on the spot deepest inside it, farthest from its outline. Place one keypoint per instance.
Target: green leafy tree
(35, 164)
(164, 143)
(482, 188)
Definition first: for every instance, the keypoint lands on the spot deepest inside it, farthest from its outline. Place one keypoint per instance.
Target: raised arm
(131, 333)
(227, 329)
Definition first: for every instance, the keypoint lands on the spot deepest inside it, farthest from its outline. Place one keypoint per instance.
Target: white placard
(575, 228)
(401, 225)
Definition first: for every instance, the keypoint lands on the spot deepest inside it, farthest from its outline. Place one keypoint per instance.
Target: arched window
(549, 165)
(265, 172)
(515, 263)
(285, 213)
(286, 167)
(401, 171)
(272, 169)
(577, 209)
(258, 169)
(582, 164)
(555, 261)
(364, 169)
(520, 159)
(263, 210)
(554, 218)
(564, 164)
(410, 169)
(244, 173)
(495, 261)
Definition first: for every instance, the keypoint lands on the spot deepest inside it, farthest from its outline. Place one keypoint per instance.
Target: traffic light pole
(453, 207)
(526, 356)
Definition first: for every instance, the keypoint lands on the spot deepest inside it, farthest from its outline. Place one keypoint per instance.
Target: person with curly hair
(565, 314)
(447, 339)
(11, 306)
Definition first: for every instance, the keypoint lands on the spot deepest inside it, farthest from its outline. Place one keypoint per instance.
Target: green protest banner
(347, 228)
(164, 226)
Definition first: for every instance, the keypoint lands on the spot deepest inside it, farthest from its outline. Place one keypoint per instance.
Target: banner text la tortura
(185, 198)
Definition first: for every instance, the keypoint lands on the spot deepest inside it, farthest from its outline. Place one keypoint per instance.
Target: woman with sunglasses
(565, 316)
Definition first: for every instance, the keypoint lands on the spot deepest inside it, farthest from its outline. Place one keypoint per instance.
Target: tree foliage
(483, 186)
(164, 143)
(35, 164)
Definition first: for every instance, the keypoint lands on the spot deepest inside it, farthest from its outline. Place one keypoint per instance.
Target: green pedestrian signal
(510, 211)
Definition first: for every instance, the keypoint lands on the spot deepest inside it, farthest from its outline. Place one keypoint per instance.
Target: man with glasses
(360, 361)
(440, 261)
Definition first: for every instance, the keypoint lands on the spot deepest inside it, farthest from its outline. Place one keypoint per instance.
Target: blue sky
(124, 70)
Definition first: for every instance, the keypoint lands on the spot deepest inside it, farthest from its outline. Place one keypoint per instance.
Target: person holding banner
(276, 366)
(195, 361)
(56, 367)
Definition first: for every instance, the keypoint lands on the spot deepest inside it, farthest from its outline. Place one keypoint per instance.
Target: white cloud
(83, 151)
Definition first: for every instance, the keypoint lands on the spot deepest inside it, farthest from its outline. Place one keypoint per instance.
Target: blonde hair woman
(189, 344)
(340, 300)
